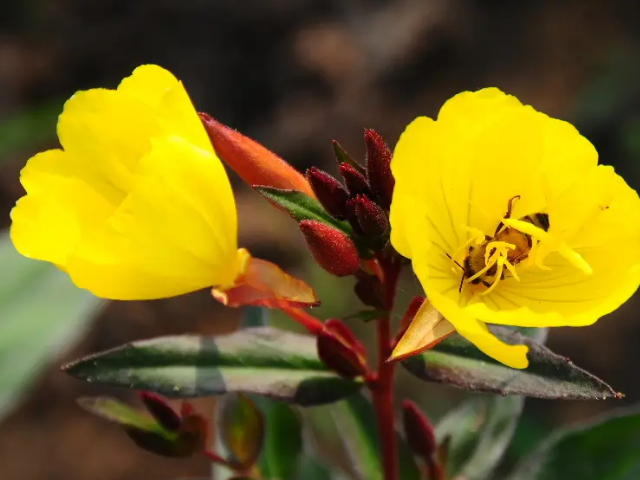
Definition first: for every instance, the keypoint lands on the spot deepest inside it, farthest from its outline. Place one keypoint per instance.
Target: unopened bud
(372, 219)
(342, 331)
(379, 168)
(369, 290)
(356, 182)
(160, 410)
(418, 431)
(190, 439)
(329, 192)
(339, 356)
(332, 249)
(254, 163)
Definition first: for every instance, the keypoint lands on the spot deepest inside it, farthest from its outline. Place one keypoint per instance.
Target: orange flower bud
(255, 164)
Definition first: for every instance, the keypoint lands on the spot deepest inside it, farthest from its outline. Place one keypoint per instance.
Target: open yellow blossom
(508, 219)
(136, 204)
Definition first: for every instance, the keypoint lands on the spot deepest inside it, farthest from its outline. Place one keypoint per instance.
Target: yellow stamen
(562, 248)
(492, 255)
(501, 263)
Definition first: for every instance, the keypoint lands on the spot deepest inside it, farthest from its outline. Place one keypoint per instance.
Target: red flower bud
(339, 356)
(418, 431)
(329, 192)
(368, 289)
(332, 249)
(160, 410)
(255, 164)
(344, 333)
(379, 168)
(356, 182)
(372, 219)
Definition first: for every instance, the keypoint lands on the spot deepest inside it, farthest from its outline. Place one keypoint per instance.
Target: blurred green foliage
(41, 314)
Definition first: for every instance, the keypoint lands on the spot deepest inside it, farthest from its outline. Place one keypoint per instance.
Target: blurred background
(293, 74)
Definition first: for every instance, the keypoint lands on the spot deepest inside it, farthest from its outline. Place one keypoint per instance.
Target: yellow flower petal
(458, 175)
(46, 224)
(194, 198)
(137, 205)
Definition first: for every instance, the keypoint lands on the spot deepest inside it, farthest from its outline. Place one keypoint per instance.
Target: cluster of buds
(363, 200)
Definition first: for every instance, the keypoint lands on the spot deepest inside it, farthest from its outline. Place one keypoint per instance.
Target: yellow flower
(136, 204)
(569, 251)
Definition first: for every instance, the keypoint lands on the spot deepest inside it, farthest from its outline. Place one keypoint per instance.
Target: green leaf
(283, 442)
(606, 449)
(265, 361)
(343, 157)
(241, 427)
(301, 206)
(41, 315)
(457, 362)
(356, 423)
(480, 431)
(115, 411)
(313, 469)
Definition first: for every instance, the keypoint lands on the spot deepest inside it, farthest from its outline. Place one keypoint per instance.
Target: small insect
(475, 260)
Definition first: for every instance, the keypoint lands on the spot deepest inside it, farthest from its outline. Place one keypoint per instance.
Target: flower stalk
(381, 382)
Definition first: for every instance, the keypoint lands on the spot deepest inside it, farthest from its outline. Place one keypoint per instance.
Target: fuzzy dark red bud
(339, 356)
(329, 192)
(369, 290)
(379, 173)
(332, 249)
(372, 219)
(420, 435)
(356, 182)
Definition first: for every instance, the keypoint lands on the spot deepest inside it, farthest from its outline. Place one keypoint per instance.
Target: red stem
(381, 385)
(313, 325)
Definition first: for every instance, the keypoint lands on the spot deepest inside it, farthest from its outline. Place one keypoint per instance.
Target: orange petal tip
(265, 284)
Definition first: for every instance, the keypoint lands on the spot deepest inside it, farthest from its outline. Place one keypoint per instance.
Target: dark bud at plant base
(329, 192)
(421, 438)
(379, 168)
(356, 182)
(368, 289)
(161, 411)
(332, 249)
(418, 430)
(339, 356)
(344, 333)
(372, 219)
(343, 157)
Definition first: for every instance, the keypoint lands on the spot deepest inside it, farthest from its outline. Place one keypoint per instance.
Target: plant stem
(313, 325)
(382, 393)
(381, 384)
